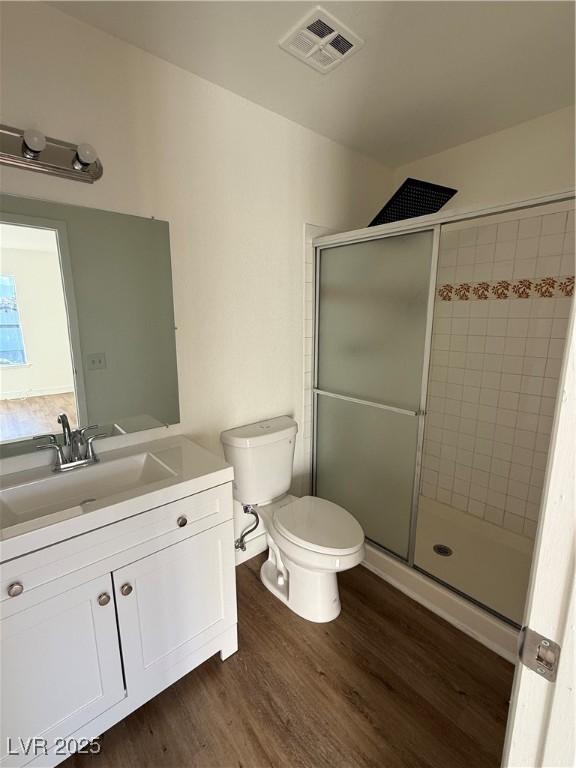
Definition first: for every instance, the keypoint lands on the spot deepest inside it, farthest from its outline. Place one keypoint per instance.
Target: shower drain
(442, 549)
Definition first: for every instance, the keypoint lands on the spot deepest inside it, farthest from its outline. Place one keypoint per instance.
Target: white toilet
(310, 539)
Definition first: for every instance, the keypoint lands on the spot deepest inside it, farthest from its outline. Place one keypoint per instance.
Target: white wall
(236, 182)
(531, 159)
(44, 324)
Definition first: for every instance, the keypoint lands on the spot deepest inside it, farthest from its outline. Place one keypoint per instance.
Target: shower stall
(438, 348)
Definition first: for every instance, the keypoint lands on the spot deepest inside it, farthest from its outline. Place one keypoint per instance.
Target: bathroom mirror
(86, 321)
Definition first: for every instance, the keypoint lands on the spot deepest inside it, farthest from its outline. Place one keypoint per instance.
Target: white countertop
(189, 469)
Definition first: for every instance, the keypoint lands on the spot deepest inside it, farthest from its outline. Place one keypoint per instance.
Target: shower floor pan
(488, 563)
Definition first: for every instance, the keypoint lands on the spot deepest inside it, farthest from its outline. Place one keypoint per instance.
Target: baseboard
(253, 547)
(467, 617)
(26, 394)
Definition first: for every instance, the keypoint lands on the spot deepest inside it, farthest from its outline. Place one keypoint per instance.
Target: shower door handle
(371, 403)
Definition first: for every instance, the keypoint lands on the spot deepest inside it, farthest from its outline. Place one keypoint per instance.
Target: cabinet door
(173, 602)
(60, 667)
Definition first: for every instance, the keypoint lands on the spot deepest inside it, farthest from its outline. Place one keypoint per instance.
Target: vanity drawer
(112, 545)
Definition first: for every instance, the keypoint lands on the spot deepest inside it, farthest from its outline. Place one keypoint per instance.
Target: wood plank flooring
(388, 684)
(29, 416)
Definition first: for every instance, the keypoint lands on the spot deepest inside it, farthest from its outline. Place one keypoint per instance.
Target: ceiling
(431, 75)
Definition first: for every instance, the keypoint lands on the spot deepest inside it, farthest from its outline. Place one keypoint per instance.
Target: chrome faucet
(76, 450)
(67, 432)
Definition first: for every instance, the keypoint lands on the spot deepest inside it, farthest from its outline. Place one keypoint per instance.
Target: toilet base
(313, 595)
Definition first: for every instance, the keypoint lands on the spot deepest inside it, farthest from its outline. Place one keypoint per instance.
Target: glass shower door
(373, 308)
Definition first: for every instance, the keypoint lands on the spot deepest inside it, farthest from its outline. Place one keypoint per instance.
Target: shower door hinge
(538, 653)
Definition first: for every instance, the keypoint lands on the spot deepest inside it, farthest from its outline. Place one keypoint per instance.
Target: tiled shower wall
(503, 299)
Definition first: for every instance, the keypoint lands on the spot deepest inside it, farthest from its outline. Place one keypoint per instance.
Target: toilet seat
(320, 526)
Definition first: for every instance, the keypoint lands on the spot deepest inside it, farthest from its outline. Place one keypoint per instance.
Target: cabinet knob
(15, 589)
(126, 589)
(104, 598)
(182, 521)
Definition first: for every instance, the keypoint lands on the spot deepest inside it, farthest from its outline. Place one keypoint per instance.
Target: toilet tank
(262, 455)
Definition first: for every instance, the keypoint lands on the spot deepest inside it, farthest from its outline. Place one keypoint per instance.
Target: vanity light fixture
(31, 150)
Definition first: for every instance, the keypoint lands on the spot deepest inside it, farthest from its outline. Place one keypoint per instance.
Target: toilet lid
(319, 525)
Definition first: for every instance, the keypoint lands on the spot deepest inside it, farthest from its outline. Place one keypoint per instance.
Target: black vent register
(413, 198)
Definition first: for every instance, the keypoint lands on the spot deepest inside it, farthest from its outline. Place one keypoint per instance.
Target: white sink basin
(60, 495)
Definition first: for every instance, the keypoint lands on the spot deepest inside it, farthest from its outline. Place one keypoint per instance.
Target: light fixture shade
(86, 154)
(34, 143)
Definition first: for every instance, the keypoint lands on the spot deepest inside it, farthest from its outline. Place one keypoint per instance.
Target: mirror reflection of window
(36, 370)
(96, 314)
(11, 341)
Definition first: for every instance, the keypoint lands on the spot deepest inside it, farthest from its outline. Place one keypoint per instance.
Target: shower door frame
(418, 414)
(432, 222)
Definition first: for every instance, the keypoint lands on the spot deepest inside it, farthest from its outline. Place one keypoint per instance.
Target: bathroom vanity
(117, 575)
(116, 580)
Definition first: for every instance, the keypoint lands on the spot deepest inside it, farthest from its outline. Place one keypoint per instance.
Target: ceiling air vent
(321, 41)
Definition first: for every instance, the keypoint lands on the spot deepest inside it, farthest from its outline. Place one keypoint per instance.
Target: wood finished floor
(388, 684)
(29, 416)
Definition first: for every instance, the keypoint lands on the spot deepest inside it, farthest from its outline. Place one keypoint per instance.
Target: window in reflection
(36, 371)
(11, 341)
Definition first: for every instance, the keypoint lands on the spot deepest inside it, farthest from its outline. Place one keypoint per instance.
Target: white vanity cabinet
(60, 666)
(101, 622)
(171, 603)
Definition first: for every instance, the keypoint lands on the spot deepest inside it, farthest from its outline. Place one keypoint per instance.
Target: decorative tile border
(543, 287)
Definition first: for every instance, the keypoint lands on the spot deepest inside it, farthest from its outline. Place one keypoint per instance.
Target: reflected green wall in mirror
(121, 279)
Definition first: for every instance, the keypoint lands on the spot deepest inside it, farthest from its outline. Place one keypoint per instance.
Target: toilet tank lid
(260, 433)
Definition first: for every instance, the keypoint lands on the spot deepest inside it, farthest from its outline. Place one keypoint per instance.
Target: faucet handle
(60, 459)
(82, 430)
(51, 440)
(90, 455)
